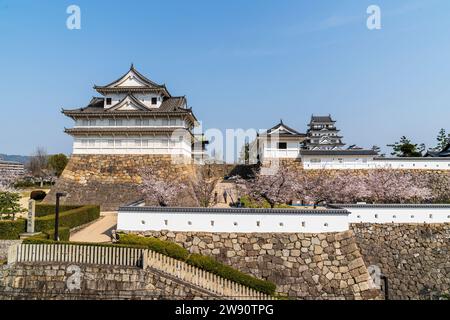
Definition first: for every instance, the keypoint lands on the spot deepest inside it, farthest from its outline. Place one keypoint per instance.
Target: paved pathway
(99, 231)
(230, 187)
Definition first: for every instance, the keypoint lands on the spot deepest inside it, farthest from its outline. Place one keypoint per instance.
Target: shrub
(9, 202)
(43, 210)
(247, 202)
(64, 235)
(70, 219)
(164, 247)
(211, 265)
(11, 230)
(203, 262)
(37, 195)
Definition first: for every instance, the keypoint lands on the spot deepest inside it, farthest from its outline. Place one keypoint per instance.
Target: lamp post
(58, 195)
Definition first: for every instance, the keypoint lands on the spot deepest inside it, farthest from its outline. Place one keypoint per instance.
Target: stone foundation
(4, 247)
(50, 281)
(303, 266)
(415, 258)
(113, 180)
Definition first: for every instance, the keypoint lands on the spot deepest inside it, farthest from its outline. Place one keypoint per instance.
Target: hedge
(203, 262)
(64, 234)
(11, 230)
(38, 195)
(43, 210)
(70, 219)
(164, 247)
(212, 265)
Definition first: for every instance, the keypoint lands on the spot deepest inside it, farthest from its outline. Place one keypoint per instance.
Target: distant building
(444, 153)
(12, 167)
(280, 142)
(322, 148)
(134, 116)
(322, 134)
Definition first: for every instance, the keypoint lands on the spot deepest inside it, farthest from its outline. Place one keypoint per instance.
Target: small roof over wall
(350, 152)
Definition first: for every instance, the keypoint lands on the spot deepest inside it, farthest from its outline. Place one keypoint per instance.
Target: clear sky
(241, 63)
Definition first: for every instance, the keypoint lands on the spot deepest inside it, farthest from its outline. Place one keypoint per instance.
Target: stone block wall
(113, 180)
(303, 266)
(50, 282)
(415, 258)
(4, 247)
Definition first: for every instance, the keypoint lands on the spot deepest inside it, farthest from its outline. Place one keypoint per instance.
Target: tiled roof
(120, 130)
(180, 210)
(321, 119)
(173, 105)
(338, 153)
(289, 132)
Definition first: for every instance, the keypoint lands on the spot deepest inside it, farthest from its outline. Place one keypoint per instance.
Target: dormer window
(154, 101)
(108, 101)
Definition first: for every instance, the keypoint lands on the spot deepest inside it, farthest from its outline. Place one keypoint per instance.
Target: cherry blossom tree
(395, 186)
(331, 186)
(163, 192)
(203, 186)
(276, 188)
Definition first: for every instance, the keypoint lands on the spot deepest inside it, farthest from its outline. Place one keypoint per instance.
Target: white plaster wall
(270, 150)
(146, 99)
(429, 163)
(131, 145)
(337, 162)
(202, 222)
(133, 123)
(398, 215)
(367, 162)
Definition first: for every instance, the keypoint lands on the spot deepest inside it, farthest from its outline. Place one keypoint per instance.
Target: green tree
(406, 149)
(442, 139)
(57, 163)
(9, 203)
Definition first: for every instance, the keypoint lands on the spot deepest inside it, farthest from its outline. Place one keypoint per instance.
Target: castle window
(303, 224)
(108, 101)
(111, 143)
(138, 122)
(92, 122)
(235, 224)
(258, 223)
(119, 122)
(85, 123)
(145, 122)
(118, 143)
(282, 145)
(154, 101)
(166, 222)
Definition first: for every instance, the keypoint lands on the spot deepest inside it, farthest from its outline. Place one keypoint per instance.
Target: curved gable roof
(136, 81)
(129, 100)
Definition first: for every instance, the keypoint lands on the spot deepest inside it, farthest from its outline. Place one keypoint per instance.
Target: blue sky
(242, 64)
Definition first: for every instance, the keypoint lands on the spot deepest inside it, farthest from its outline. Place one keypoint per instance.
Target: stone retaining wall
(303, 266)
(50, 282)
(4, 246)
(415, 258)
(112, 180)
